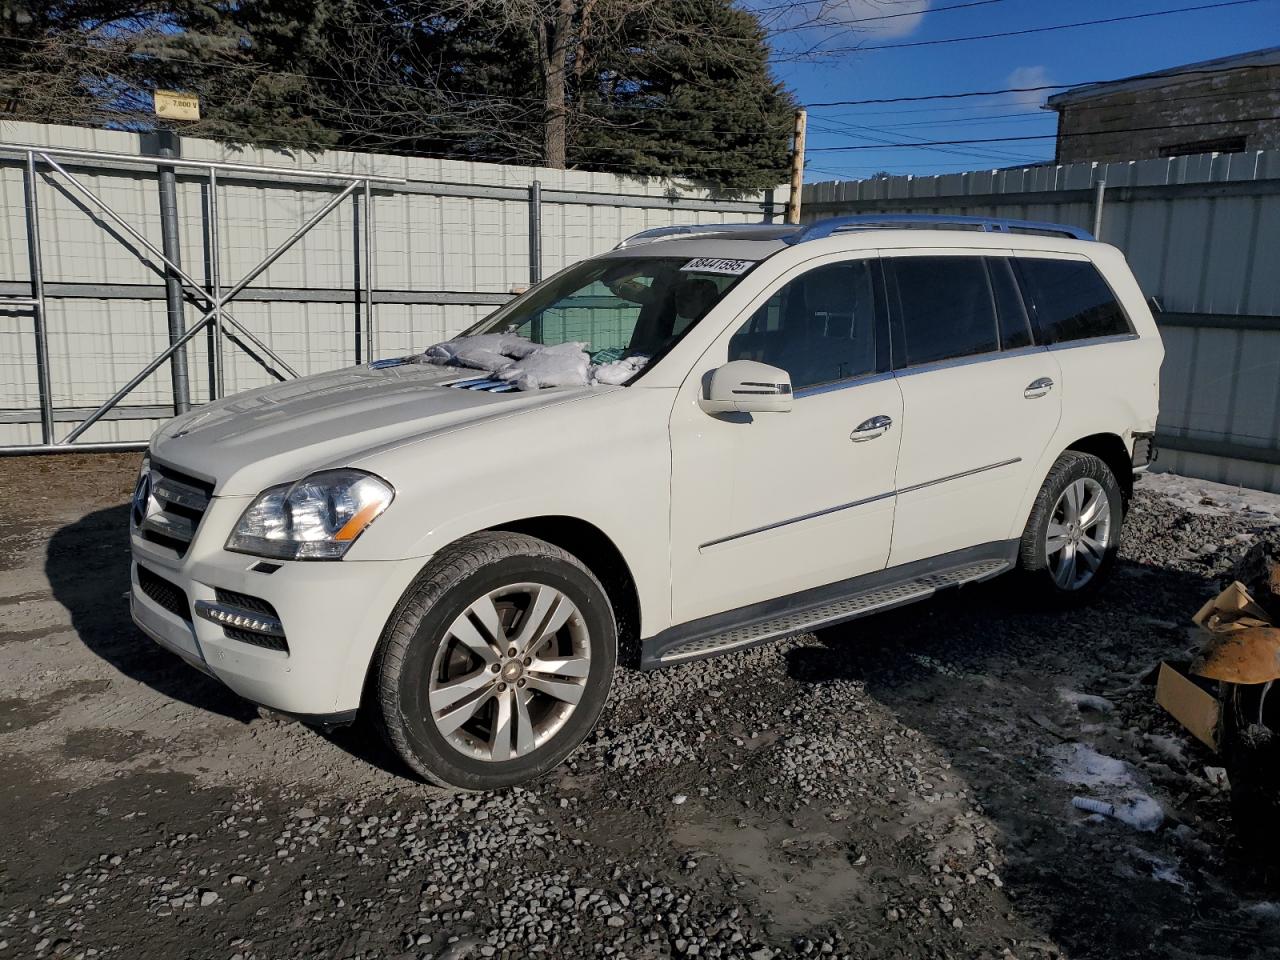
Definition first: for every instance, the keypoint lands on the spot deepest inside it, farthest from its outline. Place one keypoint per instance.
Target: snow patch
(1173, 748)
(1085, 767)
(1113, 779)
(1086, 701)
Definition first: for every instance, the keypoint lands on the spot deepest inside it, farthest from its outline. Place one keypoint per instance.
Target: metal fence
(139, 275)
(1203, 236)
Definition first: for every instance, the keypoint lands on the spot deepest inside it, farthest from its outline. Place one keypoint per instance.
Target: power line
(1035, 113)
(1162, 75)
(1030, 30)
(1045, 136)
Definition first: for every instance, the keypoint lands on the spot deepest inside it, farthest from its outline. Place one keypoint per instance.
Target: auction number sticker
(733, 268)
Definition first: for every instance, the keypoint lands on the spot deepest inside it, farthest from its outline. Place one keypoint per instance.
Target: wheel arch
(602, 557)
(1110, 449)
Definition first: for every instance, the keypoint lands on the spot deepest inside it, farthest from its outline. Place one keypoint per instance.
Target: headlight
(317, 518)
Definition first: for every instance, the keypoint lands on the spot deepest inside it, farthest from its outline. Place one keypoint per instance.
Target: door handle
(870, 429)
(1038, 388)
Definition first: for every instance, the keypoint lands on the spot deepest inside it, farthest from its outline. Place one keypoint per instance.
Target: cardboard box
(1192, 701)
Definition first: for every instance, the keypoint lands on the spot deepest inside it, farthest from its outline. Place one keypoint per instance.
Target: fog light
(239, 618)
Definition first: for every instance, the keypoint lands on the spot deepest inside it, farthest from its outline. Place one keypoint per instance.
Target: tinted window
(945, 309)
(1015, 326)
(820, 327)
(1069, 300)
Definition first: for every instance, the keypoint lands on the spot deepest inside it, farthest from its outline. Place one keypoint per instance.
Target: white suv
(821, 421)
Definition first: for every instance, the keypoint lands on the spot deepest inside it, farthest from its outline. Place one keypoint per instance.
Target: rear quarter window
(1069, 300)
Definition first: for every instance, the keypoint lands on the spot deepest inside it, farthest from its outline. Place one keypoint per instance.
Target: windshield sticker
(733, 268)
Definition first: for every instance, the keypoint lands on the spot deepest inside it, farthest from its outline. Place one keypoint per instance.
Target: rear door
(981, 402)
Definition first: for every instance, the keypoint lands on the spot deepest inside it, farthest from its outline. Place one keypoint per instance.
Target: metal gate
(212, 297)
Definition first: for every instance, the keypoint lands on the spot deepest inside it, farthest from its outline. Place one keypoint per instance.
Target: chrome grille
(174, 507)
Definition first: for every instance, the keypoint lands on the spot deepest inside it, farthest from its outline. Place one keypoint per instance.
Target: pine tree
(676, 88)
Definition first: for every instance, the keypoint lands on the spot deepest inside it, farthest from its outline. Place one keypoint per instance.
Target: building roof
(1269, 57)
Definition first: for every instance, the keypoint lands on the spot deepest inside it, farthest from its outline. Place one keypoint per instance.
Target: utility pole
(797, 167)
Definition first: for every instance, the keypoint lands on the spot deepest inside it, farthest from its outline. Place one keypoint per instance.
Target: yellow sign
(177, 106)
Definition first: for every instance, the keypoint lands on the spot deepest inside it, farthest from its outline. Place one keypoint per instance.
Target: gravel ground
(897, 787)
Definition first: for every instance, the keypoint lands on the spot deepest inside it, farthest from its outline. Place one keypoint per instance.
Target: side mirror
(745, 386)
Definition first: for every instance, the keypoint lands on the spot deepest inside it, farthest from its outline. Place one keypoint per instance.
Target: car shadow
(87, 565)
(977, 671)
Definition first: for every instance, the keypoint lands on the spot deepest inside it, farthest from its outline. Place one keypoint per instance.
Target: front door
(981, 403)
(766, 505)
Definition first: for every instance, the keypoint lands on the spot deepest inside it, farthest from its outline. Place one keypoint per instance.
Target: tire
(1091, 546)
(1249, 738)
(506, 721)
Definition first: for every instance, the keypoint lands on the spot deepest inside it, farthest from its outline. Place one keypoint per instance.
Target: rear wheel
(497, 662)
(1072, 537)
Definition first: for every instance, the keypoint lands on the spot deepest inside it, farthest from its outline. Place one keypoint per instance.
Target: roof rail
(704, 229)
(875, 221)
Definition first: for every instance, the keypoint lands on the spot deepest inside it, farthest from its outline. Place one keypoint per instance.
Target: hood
(282, 432)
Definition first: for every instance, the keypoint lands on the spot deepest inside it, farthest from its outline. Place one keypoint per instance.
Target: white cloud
(1030, 77)
(902, 17)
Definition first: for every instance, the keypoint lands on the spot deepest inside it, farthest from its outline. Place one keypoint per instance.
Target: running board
(871, 599)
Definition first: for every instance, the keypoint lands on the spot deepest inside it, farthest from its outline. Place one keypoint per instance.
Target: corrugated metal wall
(1203, 236)
(449, 244)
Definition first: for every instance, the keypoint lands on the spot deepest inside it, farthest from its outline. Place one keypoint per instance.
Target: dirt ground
(897, 787)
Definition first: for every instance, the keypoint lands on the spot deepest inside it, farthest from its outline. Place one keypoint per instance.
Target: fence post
(368, 272)
(38, 312)
(218, 388)
(167, 144)
(1099, 198)
(535, 232)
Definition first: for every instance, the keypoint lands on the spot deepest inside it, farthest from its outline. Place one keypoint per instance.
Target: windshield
(619, 307)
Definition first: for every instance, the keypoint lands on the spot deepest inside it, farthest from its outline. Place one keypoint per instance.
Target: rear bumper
(1145, 452)
(332, 612)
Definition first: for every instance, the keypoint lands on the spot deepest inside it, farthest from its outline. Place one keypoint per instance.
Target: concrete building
(1226, 105)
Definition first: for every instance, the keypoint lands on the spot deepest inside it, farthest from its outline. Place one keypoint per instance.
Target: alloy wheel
(1079, 533)
(510, 672)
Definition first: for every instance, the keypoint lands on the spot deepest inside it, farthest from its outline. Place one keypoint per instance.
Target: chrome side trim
(966, 361)
(1094, 341)
(957, 476)
(857, 503)
(807, 516)
(841, 384)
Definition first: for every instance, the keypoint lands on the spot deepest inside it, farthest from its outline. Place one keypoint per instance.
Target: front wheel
(1072, 538)
(497, 662)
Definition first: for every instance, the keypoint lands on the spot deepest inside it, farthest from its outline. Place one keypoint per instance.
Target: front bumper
(333, 613)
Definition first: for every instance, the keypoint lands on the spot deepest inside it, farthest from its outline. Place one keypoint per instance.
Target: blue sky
(1061, 56)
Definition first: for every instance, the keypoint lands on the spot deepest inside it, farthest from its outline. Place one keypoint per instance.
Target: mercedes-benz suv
(703, 439)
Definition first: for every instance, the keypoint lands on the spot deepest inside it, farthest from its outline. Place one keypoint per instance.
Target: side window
(945, 309)
(820, 327)
(1015, 326)
(1069, 300)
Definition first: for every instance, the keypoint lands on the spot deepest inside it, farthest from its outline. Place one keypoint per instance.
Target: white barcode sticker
(733, 268)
